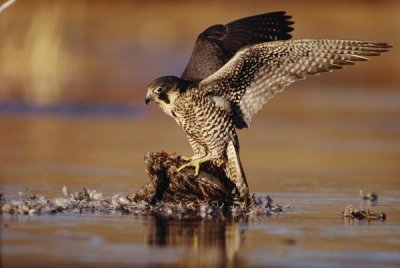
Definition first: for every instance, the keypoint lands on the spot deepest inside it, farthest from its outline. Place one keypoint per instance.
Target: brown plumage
(209, 111)
(218, 43)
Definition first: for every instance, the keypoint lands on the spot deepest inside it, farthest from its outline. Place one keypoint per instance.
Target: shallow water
(315, 157)
(312, 234)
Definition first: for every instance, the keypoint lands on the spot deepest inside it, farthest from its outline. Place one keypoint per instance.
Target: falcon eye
(158, 90)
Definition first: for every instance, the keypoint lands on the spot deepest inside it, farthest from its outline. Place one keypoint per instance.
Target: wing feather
(218, 43)
(256, 73)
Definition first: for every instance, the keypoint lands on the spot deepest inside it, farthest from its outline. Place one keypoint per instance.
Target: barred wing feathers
(256, 73)
(218, 43)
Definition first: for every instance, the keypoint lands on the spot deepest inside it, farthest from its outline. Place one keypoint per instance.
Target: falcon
(233, 71)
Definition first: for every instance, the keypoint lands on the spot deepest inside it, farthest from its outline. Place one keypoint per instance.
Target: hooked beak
(149, 98)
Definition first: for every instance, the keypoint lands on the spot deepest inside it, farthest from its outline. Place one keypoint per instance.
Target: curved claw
(194, 163)
(194, 157)
(185, 158)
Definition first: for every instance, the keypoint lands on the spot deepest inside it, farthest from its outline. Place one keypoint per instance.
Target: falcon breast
(233, 71)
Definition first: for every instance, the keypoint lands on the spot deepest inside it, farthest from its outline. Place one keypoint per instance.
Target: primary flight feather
(223, 87)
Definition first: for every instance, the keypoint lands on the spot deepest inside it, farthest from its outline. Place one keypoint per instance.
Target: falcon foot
(211, 186)
(194, 163)
(185, 158)
(196, 156)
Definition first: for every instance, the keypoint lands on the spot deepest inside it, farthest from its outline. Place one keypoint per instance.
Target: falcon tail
(234, 171)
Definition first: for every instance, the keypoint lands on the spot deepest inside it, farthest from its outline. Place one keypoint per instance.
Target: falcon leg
(195, 163)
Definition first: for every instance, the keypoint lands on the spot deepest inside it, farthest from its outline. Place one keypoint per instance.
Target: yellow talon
(185, 158)
(193, 163)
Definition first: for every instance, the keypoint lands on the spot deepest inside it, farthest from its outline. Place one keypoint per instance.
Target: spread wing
(256, 73)
(218, 43)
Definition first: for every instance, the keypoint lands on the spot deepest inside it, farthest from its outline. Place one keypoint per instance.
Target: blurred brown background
(58, 58)
(314, 146)
(108, 51)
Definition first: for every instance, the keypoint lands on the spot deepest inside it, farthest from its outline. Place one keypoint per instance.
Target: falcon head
(165, 90)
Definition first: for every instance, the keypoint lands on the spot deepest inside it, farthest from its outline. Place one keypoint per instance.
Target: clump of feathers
(169, 193)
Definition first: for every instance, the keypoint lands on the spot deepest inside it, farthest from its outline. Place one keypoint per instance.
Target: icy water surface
(312, 150)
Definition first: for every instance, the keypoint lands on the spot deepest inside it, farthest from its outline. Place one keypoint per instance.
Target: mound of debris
(91, 201)
(166, 184)
(168, 193)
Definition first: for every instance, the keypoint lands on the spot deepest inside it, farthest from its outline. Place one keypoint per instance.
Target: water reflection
(209, 242)
(305, 236)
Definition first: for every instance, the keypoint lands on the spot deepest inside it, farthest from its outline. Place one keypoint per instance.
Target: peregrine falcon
(219, 92)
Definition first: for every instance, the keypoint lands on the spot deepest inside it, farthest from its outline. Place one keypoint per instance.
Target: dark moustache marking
(164, 97)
